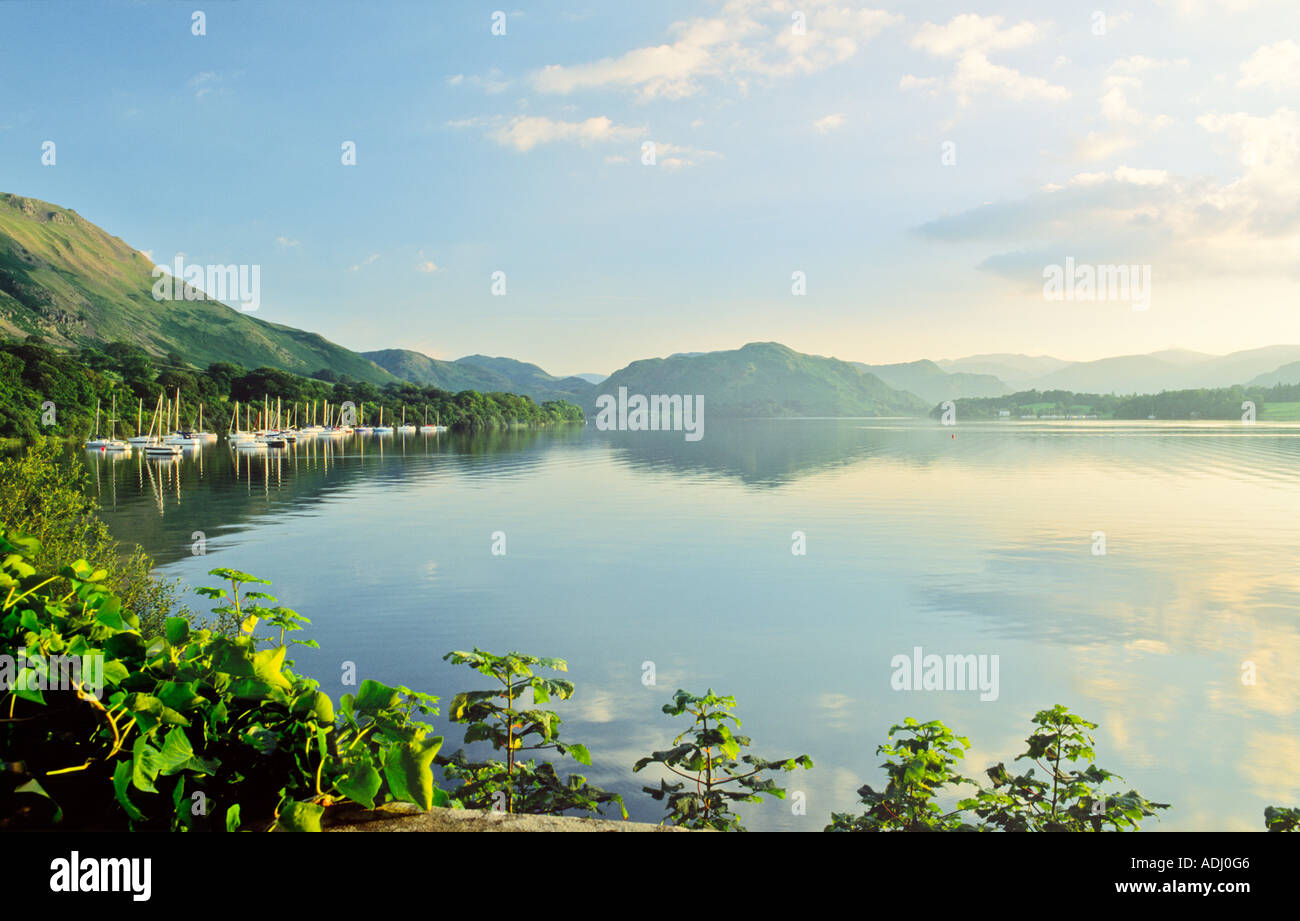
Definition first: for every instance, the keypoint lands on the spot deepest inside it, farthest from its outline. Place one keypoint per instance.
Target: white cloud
(494, 82)
(369, 260)
(524, 132)
(1275, 66)
(284, 242)
(1194, 227)
(1140, 64)
(673, 156)
(972, 32)
(1123, 77)
(913, 82)
(828, 123)
(1101, 146)
(749, 38)
(207, 83)
(969, 39)
(1141, 176)
(426, 266)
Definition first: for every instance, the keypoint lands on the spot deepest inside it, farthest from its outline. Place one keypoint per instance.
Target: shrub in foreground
(709, 761)
(1066, 797)
(499, 715)
(188, 730)
(44, 498)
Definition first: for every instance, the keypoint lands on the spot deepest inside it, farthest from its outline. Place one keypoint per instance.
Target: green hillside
(765, 379)
(1287, 374)
(479, 372)
(532, 380)
(70, 282)
(419, 368)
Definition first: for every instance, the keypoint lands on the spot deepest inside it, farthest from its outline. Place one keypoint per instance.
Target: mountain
(1122, 374)
(1240, 367)
(419, 368)
(932, 383)
(523, 377)
(765, 379)
(482, 373)
(1287, 374)
(67, 280)
(1156, 372)
(591, 378)
(1011, 369)
(1182, 356)
(1170, 369)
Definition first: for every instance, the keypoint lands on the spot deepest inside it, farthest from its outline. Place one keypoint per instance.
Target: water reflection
(624, 549)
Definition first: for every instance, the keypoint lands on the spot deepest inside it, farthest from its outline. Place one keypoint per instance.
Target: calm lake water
(628, 548)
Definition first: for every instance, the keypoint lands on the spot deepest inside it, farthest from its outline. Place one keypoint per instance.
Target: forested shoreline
(45, 391)
(1202, 403)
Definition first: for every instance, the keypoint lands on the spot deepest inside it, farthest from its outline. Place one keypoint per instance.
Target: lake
(622, 549)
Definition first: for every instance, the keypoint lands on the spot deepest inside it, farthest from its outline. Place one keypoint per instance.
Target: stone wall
(405, 817)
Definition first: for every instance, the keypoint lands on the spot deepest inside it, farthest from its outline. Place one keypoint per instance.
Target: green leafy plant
(920, 766)
(710, 761)
(43, 495)
(1068, 797)
(1282, 818)
(499, 715)
(190, 729)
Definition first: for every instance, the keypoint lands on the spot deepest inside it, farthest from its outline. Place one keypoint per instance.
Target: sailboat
(335, 430)
(94, 442)
(200, 434)
(113, 443)
(405, 429)
(382, 429)
(434, 429)
(362, 428)
(183, 437)
(139, 439)
(311, 429)
(241, 440)
(159, 448)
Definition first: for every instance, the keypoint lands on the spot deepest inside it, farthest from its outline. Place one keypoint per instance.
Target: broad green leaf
(374, 696)
(122, 775)
(360, 785)
(408, 771)
(300, 817)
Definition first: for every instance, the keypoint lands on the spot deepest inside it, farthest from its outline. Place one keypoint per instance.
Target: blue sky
(1167, 137)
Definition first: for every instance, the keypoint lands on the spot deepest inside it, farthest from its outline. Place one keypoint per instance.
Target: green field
(1279, 412)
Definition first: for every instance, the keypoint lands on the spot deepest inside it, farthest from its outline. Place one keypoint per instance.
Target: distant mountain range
(68, 281)
(1171, 369)
(933, 384)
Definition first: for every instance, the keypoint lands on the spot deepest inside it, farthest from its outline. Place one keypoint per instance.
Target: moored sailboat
(139, 440)
(158, 448)
(94, 442)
